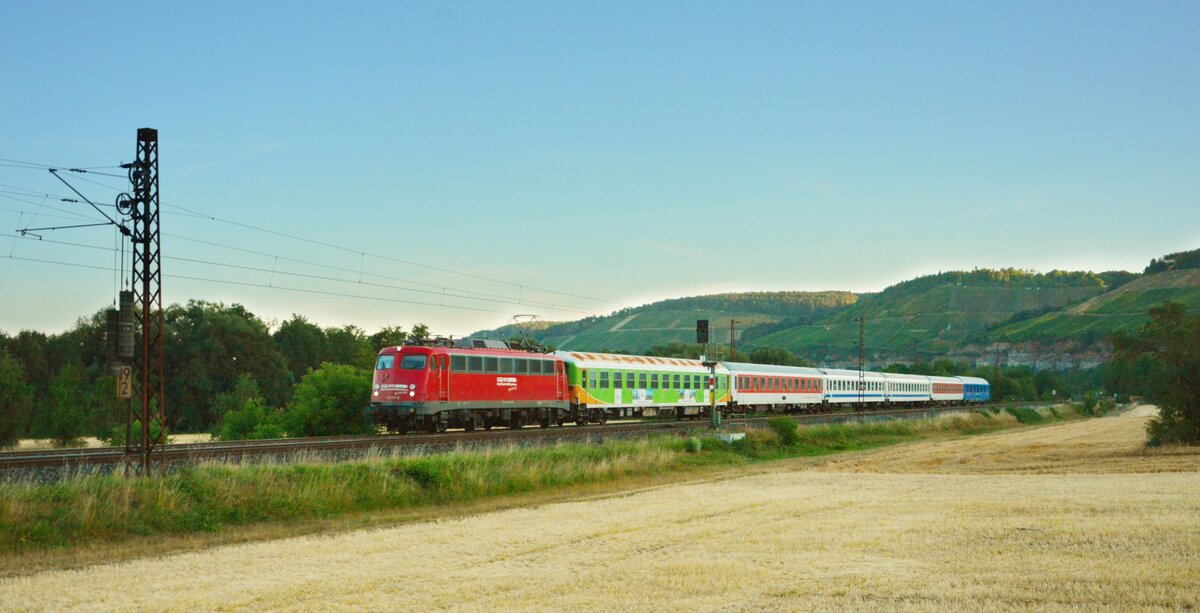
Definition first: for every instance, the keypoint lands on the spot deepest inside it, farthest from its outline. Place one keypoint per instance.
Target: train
(482, 384)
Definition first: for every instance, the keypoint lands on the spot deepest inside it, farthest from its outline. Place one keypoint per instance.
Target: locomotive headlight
(412, 393)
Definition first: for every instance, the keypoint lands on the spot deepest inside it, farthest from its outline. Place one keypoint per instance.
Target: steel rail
(197, 451)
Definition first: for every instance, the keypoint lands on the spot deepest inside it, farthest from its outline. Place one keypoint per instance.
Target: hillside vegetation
(1121, 310)
(935, 314)
(956, 313)
(638, 329)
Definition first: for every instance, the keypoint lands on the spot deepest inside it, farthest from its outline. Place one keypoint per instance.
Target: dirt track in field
(1070, 516)
(1106, 445)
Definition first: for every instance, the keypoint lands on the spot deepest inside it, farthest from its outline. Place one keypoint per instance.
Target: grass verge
(209, 498)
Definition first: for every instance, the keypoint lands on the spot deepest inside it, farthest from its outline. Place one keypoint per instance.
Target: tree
(775, 355)
(328, 401)
(390, 336)
(29, 349)
(349, 345)
(244, 414)
(420, 332)
(1162, 362)
(244, 390)
(16, 399)
(71, 398)
(302, 344)
(208, 347)
(253, 420)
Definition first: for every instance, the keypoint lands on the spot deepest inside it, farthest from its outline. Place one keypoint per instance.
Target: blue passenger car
(975, 389)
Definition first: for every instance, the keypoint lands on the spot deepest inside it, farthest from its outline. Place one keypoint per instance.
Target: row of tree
(231, 375)
(57, 386)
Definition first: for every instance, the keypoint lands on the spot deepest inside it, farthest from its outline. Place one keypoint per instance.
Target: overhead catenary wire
(307, 276)
(521, 287)
(360, 271)
(260, 285)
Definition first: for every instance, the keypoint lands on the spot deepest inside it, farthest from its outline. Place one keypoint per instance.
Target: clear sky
(619, 151)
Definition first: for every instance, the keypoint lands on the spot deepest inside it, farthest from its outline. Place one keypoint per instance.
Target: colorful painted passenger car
(604, 385)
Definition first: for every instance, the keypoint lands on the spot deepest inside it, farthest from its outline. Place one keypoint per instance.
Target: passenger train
(476, 384)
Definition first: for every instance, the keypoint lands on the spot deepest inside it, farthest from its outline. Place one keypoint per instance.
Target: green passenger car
(612, 385)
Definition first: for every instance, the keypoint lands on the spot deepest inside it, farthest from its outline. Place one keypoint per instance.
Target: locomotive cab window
(385, 362)
(413, 362)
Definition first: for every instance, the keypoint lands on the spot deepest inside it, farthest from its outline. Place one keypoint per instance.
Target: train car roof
(770, 369)
(900, 376)
(973, 380)
(480, 351)
(944, 379)
(842, 372)
(616, 361)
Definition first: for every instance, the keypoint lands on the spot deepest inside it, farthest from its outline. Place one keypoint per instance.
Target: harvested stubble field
(1068, 516)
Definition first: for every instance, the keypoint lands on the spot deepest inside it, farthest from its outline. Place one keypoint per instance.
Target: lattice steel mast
(147, 287)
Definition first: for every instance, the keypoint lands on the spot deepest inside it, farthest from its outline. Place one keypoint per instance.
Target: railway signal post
(702, 339)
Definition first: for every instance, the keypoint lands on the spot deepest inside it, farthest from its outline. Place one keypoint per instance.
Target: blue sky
(619, 151)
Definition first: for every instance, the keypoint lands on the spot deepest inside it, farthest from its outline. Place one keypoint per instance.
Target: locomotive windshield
(413, 362)
(385, 362)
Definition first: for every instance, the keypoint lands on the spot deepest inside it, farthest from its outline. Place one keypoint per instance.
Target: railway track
(190, 452)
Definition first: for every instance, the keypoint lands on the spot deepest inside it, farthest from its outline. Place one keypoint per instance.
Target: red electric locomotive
(438, 387)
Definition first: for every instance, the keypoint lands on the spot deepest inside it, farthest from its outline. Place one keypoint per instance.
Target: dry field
(28, 444)
(1070, 516)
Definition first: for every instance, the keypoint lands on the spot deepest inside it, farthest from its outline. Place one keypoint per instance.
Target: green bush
(255, 420)
(242, 413)
(1090, 402)
(785, 429)
(329, 401)
(1026, 415)
(427, 474)
(693, 445)
(116, 434)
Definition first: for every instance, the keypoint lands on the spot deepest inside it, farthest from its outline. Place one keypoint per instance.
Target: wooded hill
(964, 314)
(635, 330)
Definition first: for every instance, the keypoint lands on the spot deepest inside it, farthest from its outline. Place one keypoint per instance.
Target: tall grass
(208, 497)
